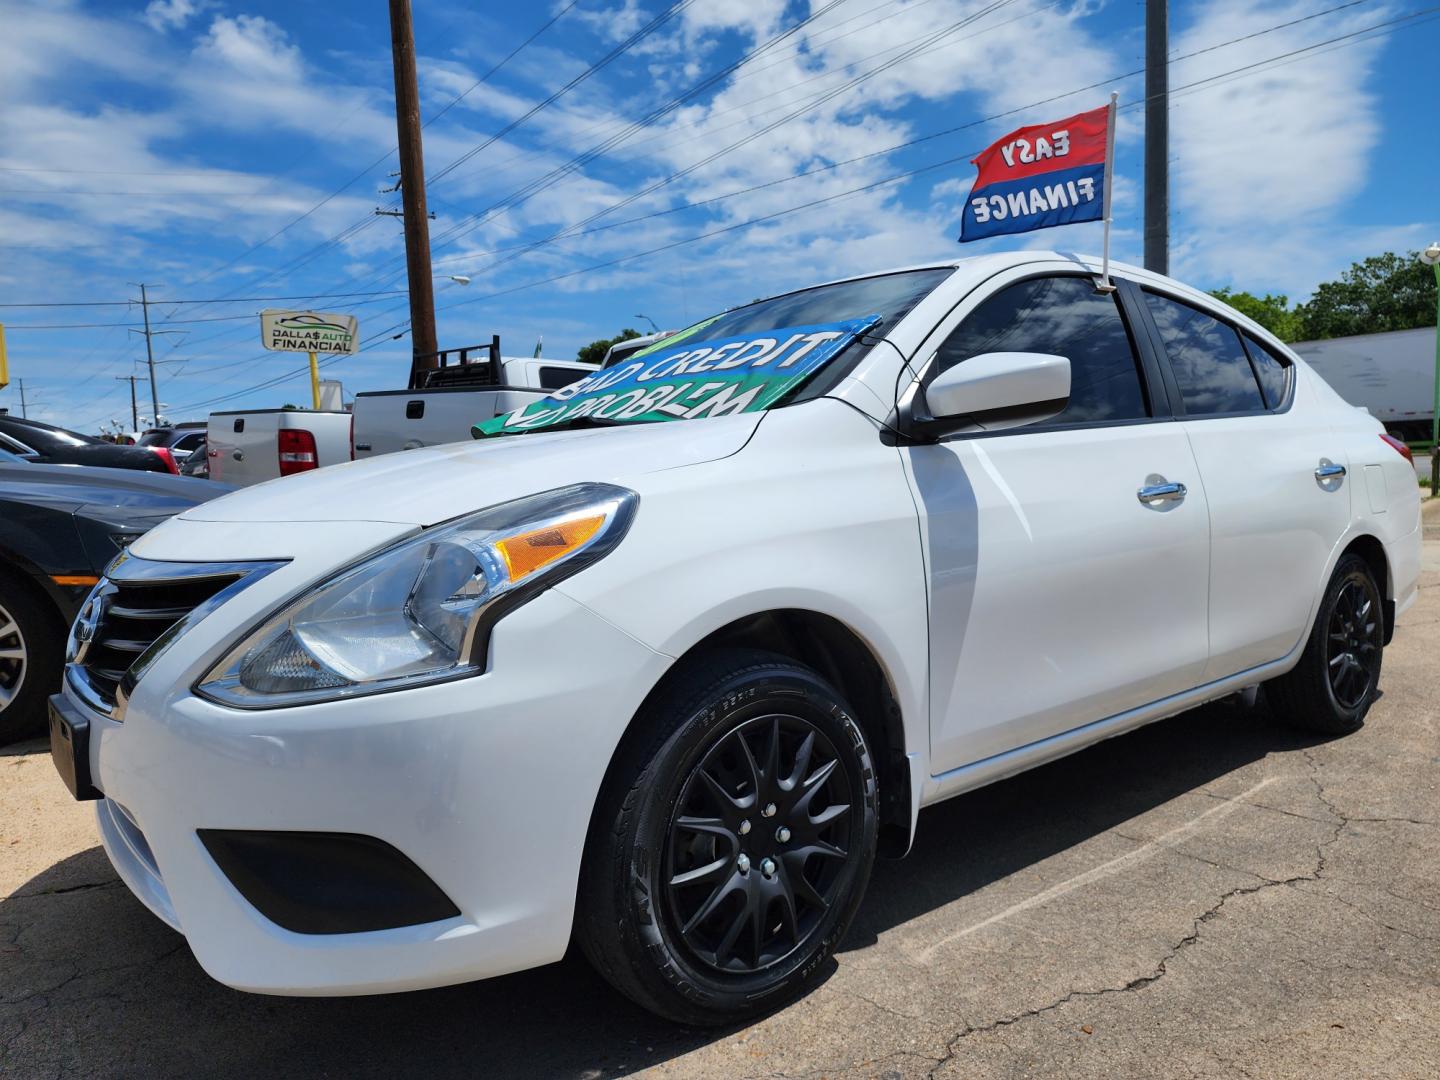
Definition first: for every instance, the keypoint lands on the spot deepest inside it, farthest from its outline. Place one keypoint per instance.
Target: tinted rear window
(553, 378)
(1208, 360)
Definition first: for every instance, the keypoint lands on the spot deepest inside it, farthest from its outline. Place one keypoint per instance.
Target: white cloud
(1264, 160)
(251, 45)
(167, 15)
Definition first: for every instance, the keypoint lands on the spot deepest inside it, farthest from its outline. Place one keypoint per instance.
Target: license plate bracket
(70, 748)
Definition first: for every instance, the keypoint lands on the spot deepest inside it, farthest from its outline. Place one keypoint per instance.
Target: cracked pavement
(1211, 896)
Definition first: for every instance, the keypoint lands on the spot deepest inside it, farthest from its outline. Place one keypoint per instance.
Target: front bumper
(486, 784)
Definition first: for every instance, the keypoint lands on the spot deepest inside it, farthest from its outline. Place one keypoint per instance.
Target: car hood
(107, 494)
(432, 484)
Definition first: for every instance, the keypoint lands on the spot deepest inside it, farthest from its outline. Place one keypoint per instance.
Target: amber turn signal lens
(526, 552)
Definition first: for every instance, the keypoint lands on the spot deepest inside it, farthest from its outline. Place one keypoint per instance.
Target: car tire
(1330, 690)
(745, 787)
(31, 650)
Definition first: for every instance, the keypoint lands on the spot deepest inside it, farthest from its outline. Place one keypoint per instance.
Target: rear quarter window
(1274, 371)
(553, 378)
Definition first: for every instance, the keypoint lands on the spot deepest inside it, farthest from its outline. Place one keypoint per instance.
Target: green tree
(596, 350)
(1384, 292)
(1271, 311)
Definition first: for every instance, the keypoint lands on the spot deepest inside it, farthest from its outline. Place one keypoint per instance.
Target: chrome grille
(135, 611)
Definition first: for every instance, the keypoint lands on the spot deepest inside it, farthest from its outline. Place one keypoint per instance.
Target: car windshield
(154, 438)
(743, 360)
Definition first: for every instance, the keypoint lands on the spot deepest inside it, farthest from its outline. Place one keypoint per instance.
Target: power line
(1385, 26)
(218, 300)
(508, 57)
(569, 166)
(384, 157)
(462, 229)
(614, 54)
(581, 229)
(936, 36)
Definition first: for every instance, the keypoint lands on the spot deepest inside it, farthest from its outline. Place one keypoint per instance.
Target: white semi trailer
(1392, 375)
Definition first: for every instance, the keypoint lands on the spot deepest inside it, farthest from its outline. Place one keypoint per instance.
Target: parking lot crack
(888, 1010)
(109, 883)
(1162, 967)
(1201, 859)
(1372, 917)
(1271, 809)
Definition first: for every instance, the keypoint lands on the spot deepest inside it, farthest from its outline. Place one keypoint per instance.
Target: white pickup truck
(250, 446)
(455, 397)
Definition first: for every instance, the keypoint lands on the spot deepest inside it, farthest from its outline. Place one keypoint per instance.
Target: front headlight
(421, 611)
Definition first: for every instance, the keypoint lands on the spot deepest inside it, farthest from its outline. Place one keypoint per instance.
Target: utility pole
(134, 408)
(412, 191)
(1157, 136)
(149, 357)
(24, 411)
(144, 303)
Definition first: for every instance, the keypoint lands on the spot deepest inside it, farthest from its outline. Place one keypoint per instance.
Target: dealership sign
(1042, 175)
(309, 331)
(685, 381)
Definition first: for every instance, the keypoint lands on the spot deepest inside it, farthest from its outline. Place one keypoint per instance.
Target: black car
(59, 528)
(46, 444)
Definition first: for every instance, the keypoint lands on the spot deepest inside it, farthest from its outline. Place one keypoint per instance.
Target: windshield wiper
(571, 425)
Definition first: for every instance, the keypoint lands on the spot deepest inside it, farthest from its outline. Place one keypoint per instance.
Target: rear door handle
(1166, 492)
(1329, 471)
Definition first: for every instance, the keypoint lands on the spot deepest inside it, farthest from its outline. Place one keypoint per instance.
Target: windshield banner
(685, 381)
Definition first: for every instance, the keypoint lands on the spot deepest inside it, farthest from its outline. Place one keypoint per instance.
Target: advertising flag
(1041, 175)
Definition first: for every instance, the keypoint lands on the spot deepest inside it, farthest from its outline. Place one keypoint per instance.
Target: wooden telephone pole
(134, 405)
(1157, 136)
(412, 191)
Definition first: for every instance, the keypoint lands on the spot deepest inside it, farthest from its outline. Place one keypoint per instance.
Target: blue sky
(168, 141)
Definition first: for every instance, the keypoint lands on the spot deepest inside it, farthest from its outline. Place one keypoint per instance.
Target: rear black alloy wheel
(1354, 639)
(1337, 677)
(757, 844)
(732, 843)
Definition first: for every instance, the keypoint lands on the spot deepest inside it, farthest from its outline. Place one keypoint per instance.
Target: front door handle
(1166, 492)
(1329, 471)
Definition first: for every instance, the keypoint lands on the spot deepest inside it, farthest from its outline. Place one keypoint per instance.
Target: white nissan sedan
(660, 663)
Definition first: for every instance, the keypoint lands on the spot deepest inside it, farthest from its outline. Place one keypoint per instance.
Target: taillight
(297, 451)
(1400, 448)
(166, 457)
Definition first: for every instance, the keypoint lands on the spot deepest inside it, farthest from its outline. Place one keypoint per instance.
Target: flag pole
(1105, 284)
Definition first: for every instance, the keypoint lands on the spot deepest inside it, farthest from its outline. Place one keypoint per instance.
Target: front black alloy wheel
(1338, 675)
(733, 842)
(758, 842)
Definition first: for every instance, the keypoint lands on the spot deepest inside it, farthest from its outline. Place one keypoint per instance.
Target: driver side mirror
(994, 391)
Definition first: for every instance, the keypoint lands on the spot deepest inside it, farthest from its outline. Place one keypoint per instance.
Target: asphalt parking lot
(1211, 896)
